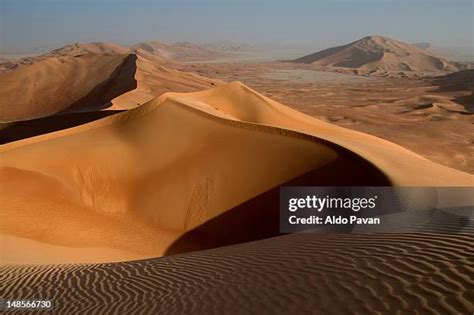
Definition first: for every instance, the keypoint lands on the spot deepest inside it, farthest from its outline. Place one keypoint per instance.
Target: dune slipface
(84, 82)
(89, 78)
(128, 186)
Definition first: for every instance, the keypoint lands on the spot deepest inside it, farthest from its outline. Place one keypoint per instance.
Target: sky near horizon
(33, 24)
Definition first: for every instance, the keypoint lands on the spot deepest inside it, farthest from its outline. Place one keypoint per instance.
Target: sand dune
(298, 273)
(428, 116)
(133, 183)
(88, 82)
(374, 54)
(84, 48)
(172, 156)
(89, 78)
(10, 132)
(164, 52)
(390, 158)
(155, 78)
(71, 50)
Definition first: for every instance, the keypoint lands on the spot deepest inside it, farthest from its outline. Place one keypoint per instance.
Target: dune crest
(137, 181)
(89, 78)
(380, 54)
(83, 82)
(404, 167)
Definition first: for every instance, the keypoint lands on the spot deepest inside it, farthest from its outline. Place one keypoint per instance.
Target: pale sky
(30, 24)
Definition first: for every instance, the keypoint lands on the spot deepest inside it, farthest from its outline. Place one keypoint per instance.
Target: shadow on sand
(258, 218)
(87, 109)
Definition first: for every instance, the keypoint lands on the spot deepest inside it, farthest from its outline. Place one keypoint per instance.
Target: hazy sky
(27, 24)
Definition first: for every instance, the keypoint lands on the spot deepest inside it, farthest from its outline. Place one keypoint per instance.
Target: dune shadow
(35, 127)
(258, 218)
(319, 55)
(458, 81)
(86, 109)
(121, 80)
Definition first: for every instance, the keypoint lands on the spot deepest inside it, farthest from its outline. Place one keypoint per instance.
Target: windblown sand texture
(298, 273)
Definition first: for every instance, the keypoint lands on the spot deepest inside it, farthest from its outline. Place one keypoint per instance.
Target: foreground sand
(130, 185)
(299, 273)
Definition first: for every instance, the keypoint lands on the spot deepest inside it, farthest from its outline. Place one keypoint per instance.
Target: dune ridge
(385, 155)
(375, 54)
(89, 78)
(84, 82)
(165, 52)
(199, 154)
(70, 50)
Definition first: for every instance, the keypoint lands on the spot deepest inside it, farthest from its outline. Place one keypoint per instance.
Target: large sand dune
(84, 48)
(130, 185)
(380, 54)
(89, 77)
(391, 158)
(71, 50)
(165, 52)
(87, 82)
(431, 116)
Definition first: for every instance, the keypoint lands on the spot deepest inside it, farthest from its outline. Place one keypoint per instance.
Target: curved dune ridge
(178, 173)
(88, 78)
(32, 92)
(298, 273)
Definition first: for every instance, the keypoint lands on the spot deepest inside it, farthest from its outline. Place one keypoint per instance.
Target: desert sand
(377, 54)
(431, 116)
(135, 182)
(129, 162)
(165, 52)
(298, 273)
(13, 62)
(88, 78)
(85, 82)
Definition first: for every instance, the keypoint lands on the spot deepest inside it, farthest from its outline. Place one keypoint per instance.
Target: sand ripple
(304, 273)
